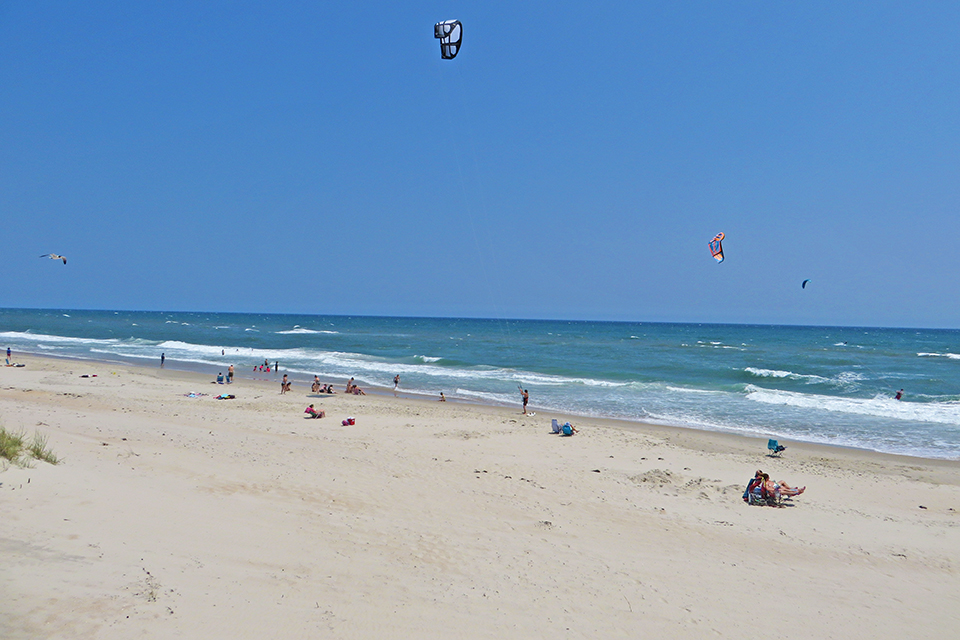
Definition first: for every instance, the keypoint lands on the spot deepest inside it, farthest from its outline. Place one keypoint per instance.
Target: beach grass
(39, 449)
(15, 449)
(11, 445)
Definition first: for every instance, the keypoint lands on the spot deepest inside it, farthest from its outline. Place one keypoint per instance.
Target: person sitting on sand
(568, 430)
(769, 488)
(284, 385)
(357, 391)
(330, 390)
(442, 397)
(220, 378)
(314, 413)
(753, 485)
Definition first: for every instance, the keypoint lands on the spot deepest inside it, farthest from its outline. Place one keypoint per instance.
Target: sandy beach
(190, 517)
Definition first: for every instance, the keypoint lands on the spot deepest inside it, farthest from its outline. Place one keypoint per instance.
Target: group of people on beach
(762, 490)
(316, 387)
(354, 389)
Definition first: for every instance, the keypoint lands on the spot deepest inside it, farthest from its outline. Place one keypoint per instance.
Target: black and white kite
(450, 33)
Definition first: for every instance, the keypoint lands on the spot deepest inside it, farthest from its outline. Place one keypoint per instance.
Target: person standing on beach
(163, 357)
(396, 383)
(230, 374)
(526, 399)
(9, 355)
(350, 385)
(276, 367)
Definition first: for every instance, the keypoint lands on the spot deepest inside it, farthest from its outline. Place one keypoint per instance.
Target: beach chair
(758, 499)
(555, 426)
(775, 447)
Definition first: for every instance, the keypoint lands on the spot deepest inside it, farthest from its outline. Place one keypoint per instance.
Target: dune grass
(15, 449)
(11, 445)
(40, 451)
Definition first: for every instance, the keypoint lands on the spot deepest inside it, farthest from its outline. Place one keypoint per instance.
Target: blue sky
(572, 162)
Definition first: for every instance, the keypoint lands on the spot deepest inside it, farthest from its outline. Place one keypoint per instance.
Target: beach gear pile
(225, 396)
(349, 422)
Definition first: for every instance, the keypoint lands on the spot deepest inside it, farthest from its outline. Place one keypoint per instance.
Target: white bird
(54, 256)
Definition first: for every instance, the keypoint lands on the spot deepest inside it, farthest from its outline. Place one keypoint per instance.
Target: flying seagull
(54, 256)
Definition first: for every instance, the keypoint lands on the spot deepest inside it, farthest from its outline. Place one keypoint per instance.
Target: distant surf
(817, 384)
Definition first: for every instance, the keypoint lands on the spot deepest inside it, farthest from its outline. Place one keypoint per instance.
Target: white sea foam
(428, 358)
(296, 330)
(879, 406)
(690, 390)
(40, 337)
(485, 396)
(842, 378)
(952, 356)
(771, 373)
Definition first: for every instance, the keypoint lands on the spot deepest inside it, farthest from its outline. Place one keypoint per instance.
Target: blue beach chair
(775, 447)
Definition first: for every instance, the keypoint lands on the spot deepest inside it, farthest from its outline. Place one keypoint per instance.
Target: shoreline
(174, 517)
(622, 423)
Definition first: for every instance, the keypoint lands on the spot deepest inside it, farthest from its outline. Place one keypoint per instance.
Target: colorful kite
(716, 248)
(450, 33)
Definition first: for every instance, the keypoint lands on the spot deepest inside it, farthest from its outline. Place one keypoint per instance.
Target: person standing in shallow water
(899, 395)
(396, 383)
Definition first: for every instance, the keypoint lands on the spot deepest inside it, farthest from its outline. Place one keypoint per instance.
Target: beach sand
(178, 517)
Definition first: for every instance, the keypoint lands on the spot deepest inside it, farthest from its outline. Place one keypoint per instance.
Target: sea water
(831, 385)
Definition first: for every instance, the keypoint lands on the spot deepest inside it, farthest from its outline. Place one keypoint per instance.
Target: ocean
(828, 385)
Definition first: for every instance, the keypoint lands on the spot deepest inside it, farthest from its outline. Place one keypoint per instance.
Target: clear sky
(572, 162)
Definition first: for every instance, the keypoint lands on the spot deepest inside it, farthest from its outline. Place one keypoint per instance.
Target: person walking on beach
(526, 399)
(163, 357)
(230, 374)
(396, 383)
